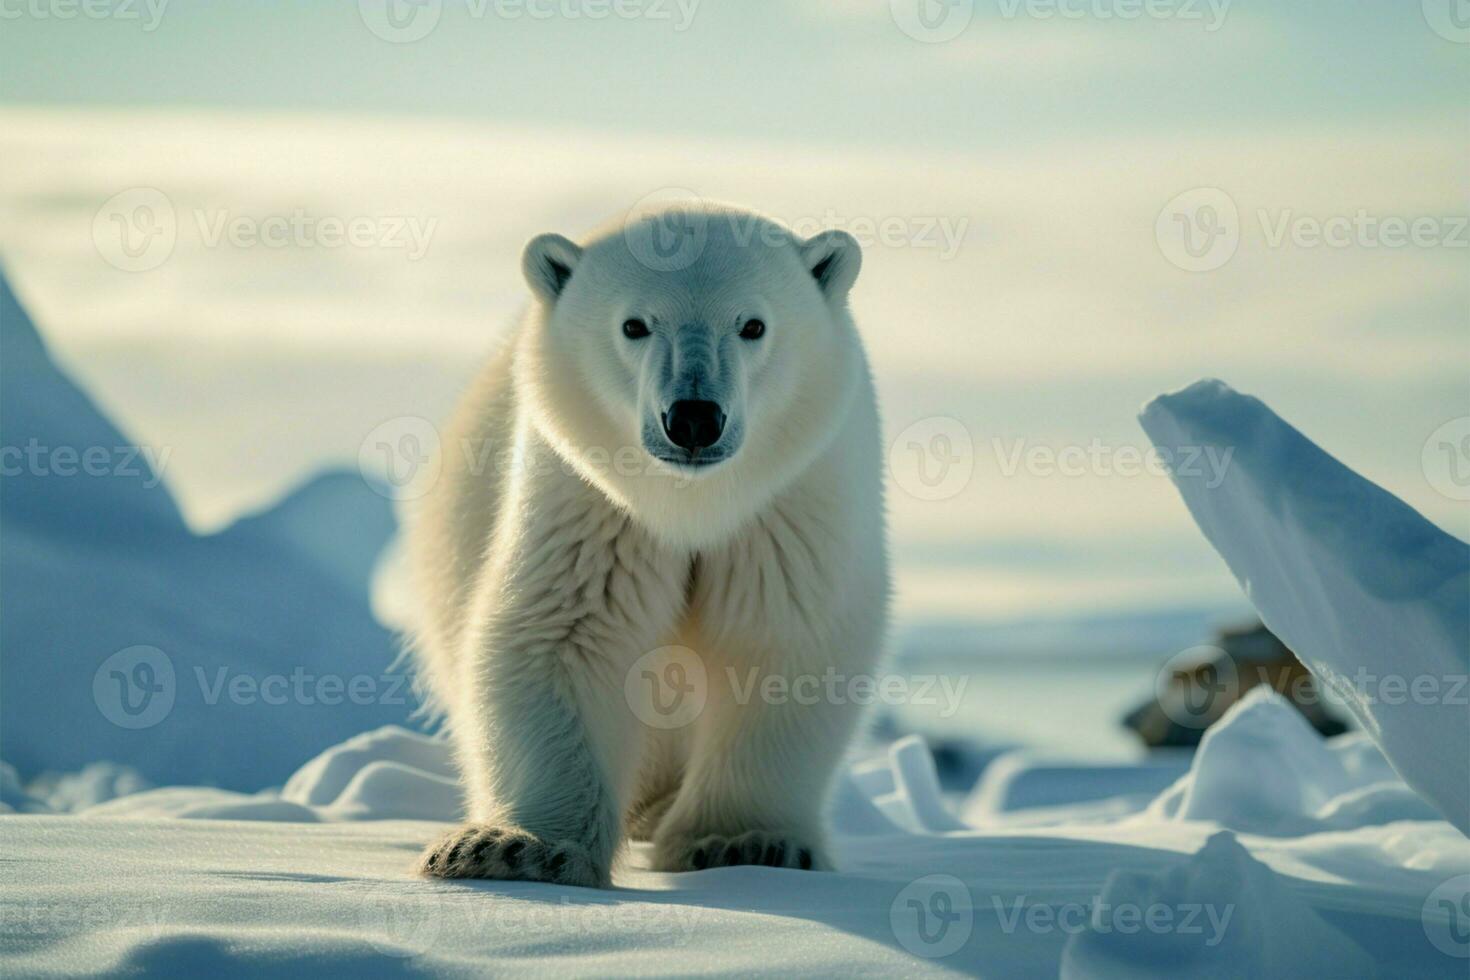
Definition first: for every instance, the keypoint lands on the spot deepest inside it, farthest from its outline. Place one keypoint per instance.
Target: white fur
(556, 550)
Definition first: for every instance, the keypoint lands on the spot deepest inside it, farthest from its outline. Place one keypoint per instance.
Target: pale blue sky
(840, 70)
(1055, 143)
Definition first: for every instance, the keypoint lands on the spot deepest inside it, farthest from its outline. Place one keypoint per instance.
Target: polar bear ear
(833, 258)
(548, 263)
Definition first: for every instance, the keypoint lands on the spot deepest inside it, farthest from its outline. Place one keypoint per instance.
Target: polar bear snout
(693, 433)
(694, 425)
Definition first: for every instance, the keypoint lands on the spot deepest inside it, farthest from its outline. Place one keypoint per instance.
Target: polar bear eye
(635, 329)
(753, 330)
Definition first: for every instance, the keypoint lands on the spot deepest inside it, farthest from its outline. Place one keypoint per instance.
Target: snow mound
(96, 783)
(328, 521)
(1368, 594)
(1219, 915)
(45, 420)
(903, 786)
(13, 795)
(1309, 784)
(204, 803)
(129, 638)
(1023, 780)
(324, 779)
(386, 774)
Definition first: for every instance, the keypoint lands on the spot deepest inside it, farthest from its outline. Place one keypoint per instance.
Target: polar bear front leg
(542, 772)
(546, 742)
(797, 600)
(756, 785)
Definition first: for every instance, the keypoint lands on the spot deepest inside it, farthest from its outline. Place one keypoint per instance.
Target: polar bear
(677, 450)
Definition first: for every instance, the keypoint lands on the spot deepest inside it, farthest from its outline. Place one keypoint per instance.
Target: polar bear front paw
(759, 847)
(483, 851)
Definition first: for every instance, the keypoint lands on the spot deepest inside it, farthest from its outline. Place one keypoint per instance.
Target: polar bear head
(691, 361)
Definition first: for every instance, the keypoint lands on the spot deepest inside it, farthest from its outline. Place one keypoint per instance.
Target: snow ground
(316, 876)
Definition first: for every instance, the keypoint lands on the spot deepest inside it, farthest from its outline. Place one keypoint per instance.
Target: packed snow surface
(316, 875)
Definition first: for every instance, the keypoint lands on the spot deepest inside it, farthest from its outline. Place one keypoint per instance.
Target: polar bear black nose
(692, 425)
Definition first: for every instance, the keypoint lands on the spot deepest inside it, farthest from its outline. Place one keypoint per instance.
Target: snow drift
(1249, 924)
(215, 659)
